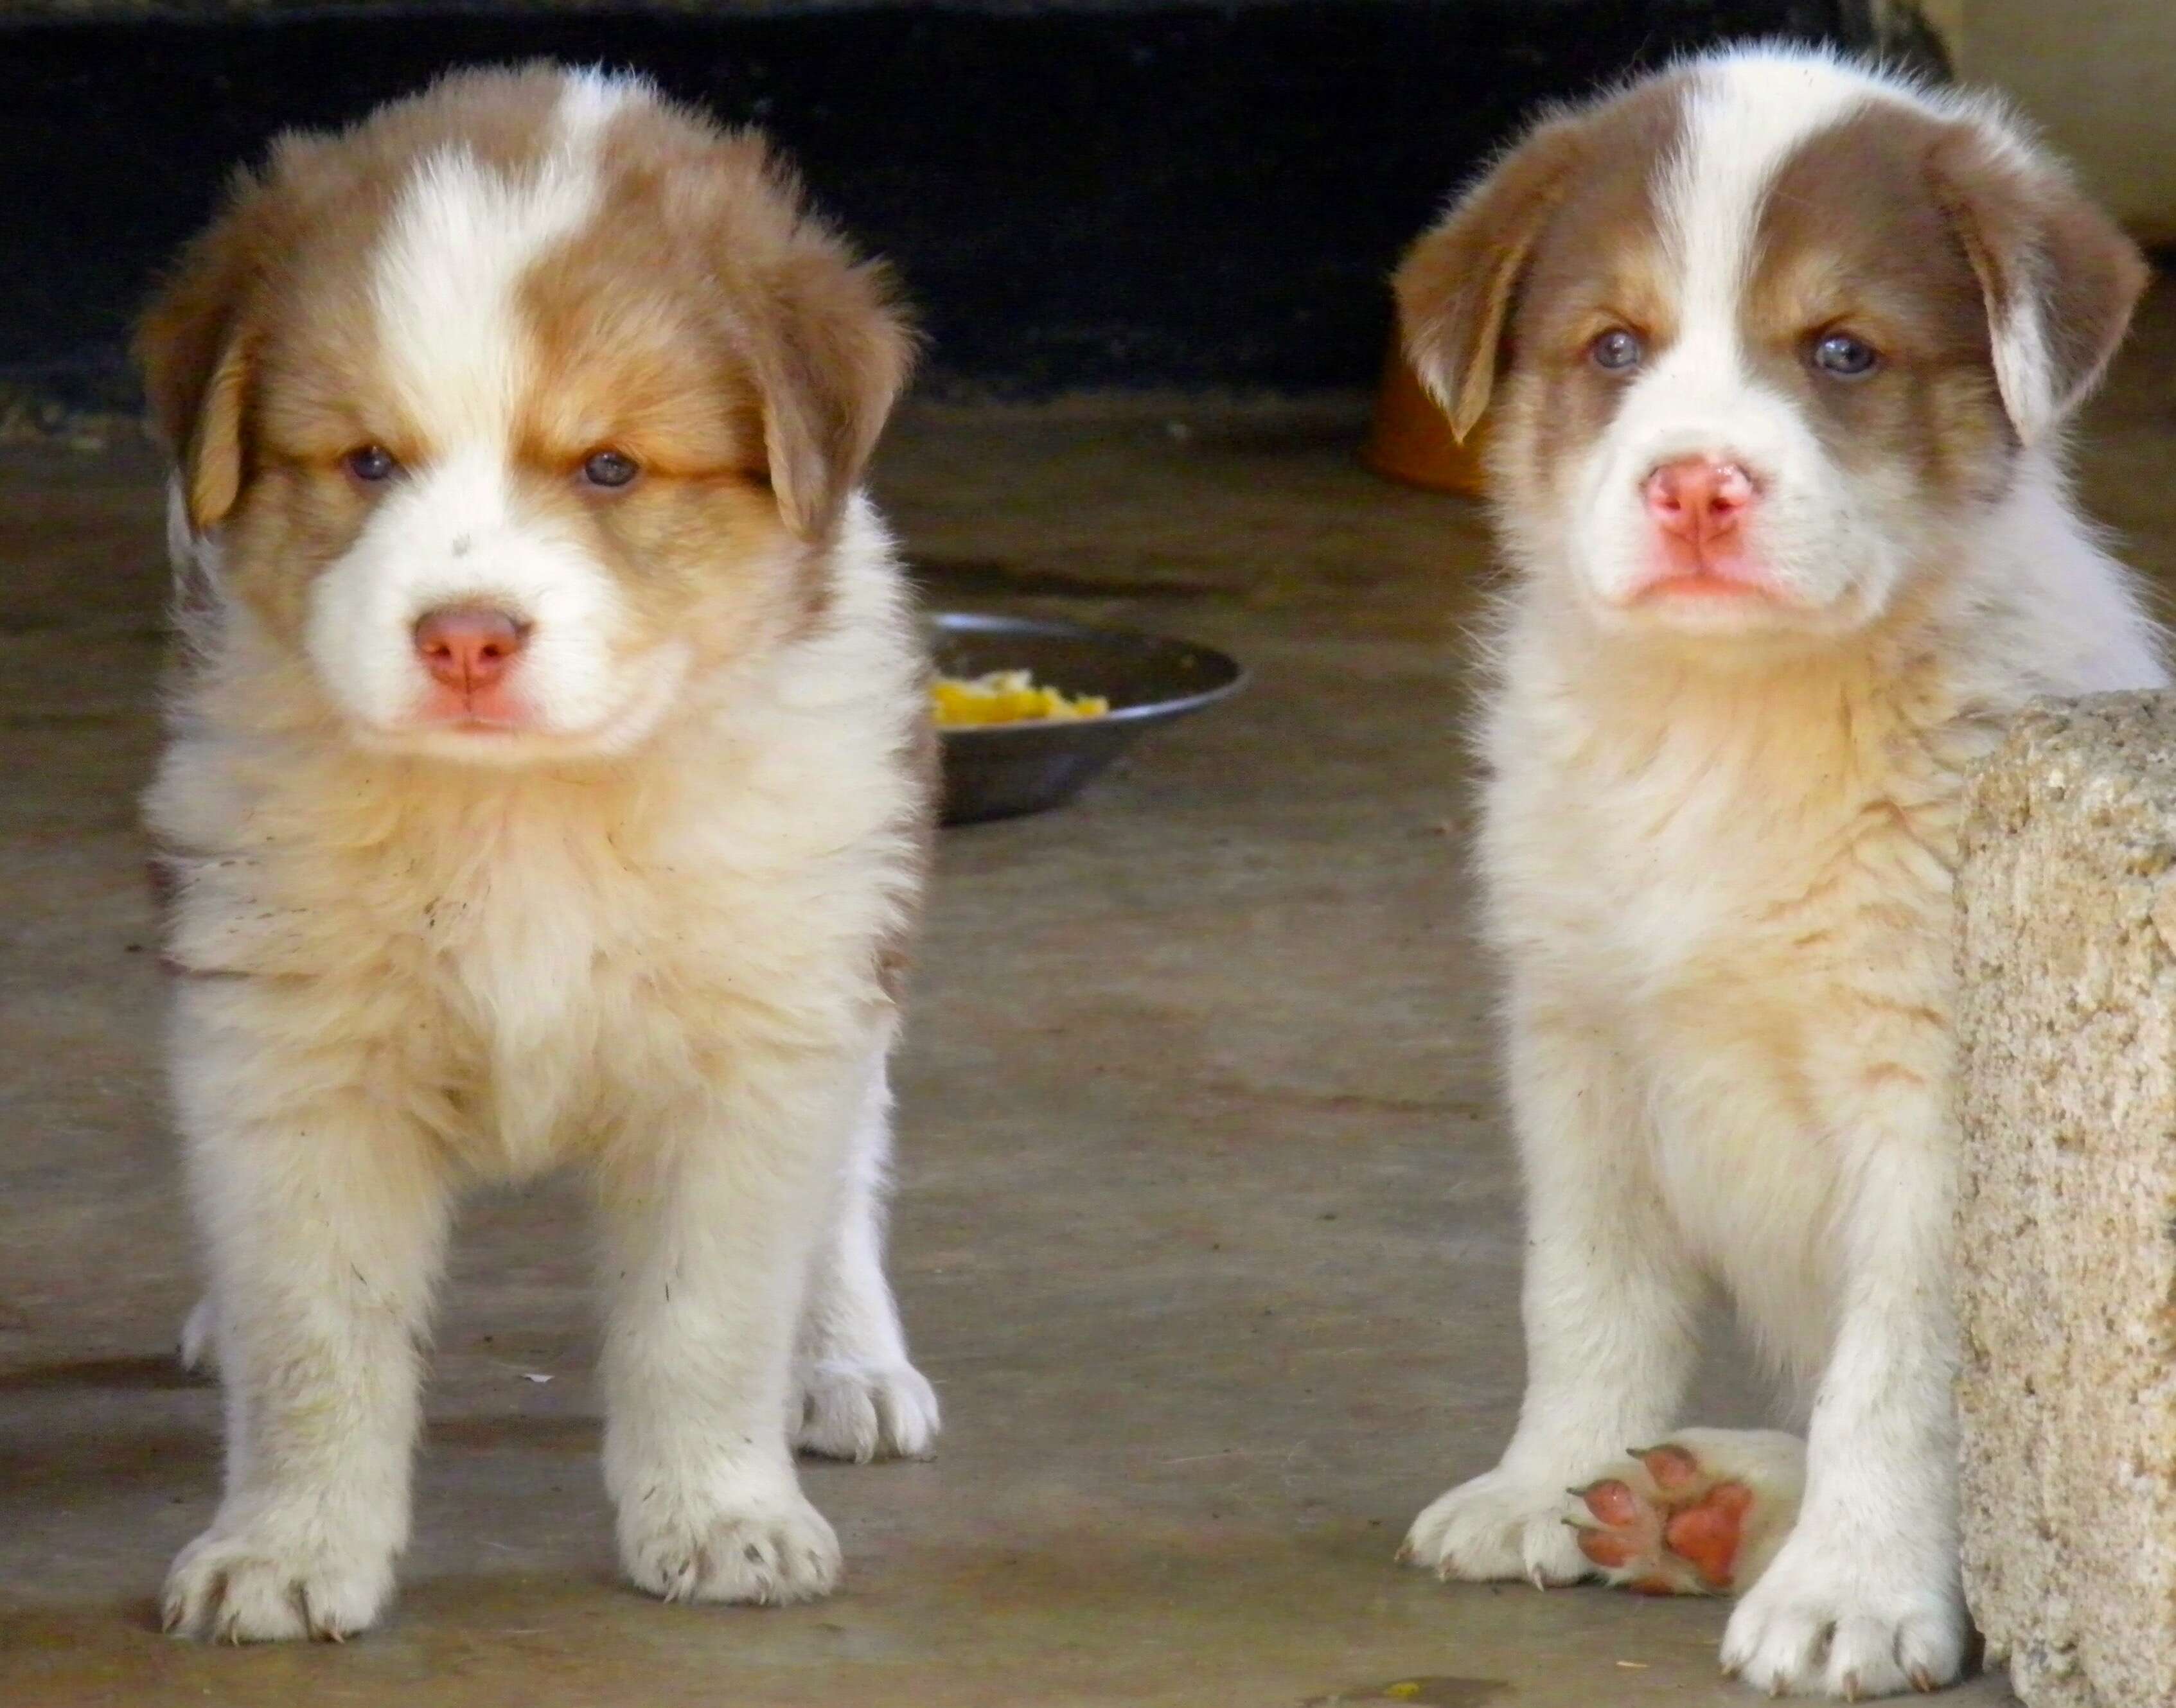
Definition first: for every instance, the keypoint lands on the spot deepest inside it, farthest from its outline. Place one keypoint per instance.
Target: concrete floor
(1206, 1231)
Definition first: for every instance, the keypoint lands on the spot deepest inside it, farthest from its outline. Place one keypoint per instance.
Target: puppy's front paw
(1701, 1515)
(1498, 1525)
(772, 1549)
(257, 1585)
(862, 1411)
(1828, 1622)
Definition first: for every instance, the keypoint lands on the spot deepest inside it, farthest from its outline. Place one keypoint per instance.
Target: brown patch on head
(286, 232)
(705, 325)
(1854, 241)
(816, 347)
(1559, 245)
(634, 352)
(256, 321)
(1598, 265)
(1947, 250)
(1557, 239)
(258, 351)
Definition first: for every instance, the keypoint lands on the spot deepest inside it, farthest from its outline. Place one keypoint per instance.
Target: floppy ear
(829, 345)
(1455, 286)
(2058, 277)
(193, 349)
(831, 355)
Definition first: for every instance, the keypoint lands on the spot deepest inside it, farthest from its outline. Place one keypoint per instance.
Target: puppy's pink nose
(1698, 497)
(468, 646)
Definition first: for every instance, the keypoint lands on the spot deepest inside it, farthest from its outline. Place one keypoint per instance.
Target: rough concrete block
(2067, 1213)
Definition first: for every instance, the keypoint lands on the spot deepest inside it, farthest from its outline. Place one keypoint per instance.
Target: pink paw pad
(1681, 1535)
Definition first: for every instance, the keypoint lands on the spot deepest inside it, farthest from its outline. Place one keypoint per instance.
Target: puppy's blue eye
(1844, 356)
(372, 463)
(1617, 351)
(609, 468)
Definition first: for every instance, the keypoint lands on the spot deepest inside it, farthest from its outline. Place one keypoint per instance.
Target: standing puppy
(1779, 353)
(547, 786)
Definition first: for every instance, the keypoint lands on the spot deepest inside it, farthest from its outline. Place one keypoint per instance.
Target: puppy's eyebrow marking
(461, 544)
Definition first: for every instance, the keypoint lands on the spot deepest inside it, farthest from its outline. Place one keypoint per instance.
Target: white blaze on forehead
(1745, 115)
(460, 241)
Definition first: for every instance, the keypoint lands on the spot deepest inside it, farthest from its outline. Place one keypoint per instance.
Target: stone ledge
(2067, 1209)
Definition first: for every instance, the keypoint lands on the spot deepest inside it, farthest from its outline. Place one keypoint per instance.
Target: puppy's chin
(1744, 603)
(656, 685)
(1734, 624)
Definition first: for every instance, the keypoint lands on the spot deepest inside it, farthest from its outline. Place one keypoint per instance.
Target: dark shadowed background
(1128, 194)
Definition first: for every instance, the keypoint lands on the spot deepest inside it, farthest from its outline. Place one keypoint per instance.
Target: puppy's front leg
(326, 1219)
(1864, 1599)
(860, 1399)
(712, 1220)
(1608, 1303)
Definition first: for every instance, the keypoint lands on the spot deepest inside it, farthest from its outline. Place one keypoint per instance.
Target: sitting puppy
(1779, 354)
(548, 785)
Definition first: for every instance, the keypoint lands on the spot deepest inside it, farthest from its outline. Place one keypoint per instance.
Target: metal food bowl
(999, 770)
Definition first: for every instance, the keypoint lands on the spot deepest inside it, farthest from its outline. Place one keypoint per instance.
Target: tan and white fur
(548, 786)
(1778, 353)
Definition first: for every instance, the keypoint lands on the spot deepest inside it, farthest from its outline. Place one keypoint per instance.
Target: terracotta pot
(1411, 438)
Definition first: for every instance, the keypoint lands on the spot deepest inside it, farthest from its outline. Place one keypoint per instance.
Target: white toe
(1498, 1527)
(257, 1586)
(770, 1547)
(862, 1411)
(1819, 1624)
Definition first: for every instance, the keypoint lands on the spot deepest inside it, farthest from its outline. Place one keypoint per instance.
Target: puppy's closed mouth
(469, 721)
(1732, 580)
(476, 730)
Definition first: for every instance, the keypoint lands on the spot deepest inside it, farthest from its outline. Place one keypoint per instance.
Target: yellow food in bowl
(1005, 697)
